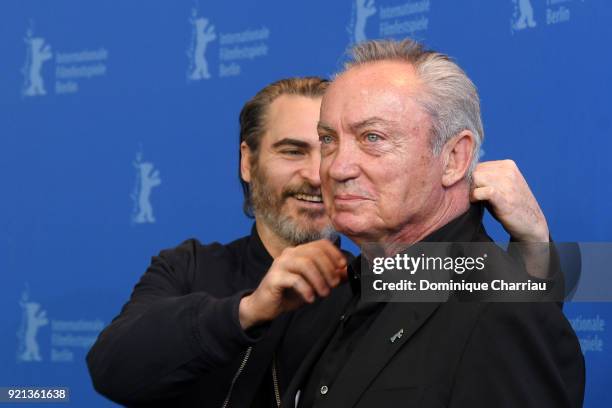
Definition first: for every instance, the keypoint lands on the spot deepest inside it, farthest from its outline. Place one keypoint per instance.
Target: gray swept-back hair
(449, 97)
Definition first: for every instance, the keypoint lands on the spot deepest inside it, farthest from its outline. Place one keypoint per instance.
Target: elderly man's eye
(326, 139)
(372, 137)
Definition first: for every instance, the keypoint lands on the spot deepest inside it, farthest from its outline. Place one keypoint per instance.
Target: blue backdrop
(118, 137)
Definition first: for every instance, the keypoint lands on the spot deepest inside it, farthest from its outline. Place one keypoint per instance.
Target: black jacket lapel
(393, 327)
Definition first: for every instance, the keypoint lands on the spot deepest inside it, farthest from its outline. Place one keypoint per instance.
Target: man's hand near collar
(298, 276)
(511, 202)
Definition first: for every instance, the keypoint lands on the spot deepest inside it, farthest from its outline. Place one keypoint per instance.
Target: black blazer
(457, 354)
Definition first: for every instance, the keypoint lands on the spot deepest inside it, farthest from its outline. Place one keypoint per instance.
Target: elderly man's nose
(343, 164)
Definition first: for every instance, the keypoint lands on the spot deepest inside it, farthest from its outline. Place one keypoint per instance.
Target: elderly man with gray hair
(400, 131)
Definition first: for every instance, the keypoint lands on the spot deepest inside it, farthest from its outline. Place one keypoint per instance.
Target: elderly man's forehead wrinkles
(369, 122)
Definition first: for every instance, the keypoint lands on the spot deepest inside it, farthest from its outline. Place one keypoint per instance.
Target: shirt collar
(461, 229)
(258, 252)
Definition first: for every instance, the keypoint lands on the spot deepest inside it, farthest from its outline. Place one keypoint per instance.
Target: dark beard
(268, 209)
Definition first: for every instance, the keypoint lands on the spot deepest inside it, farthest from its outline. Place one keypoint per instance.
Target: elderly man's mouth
(349, 201)
(349, 197)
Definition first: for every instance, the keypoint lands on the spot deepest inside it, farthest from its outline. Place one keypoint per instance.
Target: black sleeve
(165, 337)
(520, 355)
(555, 275)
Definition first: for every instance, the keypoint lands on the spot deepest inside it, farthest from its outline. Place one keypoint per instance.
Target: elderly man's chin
(357, 228)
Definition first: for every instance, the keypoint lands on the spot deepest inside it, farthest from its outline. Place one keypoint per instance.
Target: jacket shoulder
(193, 260)
(192, 249)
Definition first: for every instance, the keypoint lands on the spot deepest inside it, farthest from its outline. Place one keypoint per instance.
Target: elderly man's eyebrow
(375, 120)
(287, 141)
(322, 127)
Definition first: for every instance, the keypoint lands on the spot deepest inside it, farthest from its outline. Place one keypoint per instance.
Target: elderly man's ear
(456, 156)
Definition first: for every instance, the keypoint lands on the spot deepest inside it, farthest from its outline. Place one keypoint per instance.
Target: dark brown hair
(253, 118)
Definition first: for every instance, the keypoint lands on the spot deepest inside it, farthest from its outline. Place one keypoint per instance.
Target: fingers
(331, 251)
(299, 285)
(327, 267)
(328, 259)
(330, 262)
(487, 173)
(299, 275)
(502, 185)
(320, 264)
(482, 194)
(307, 268)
